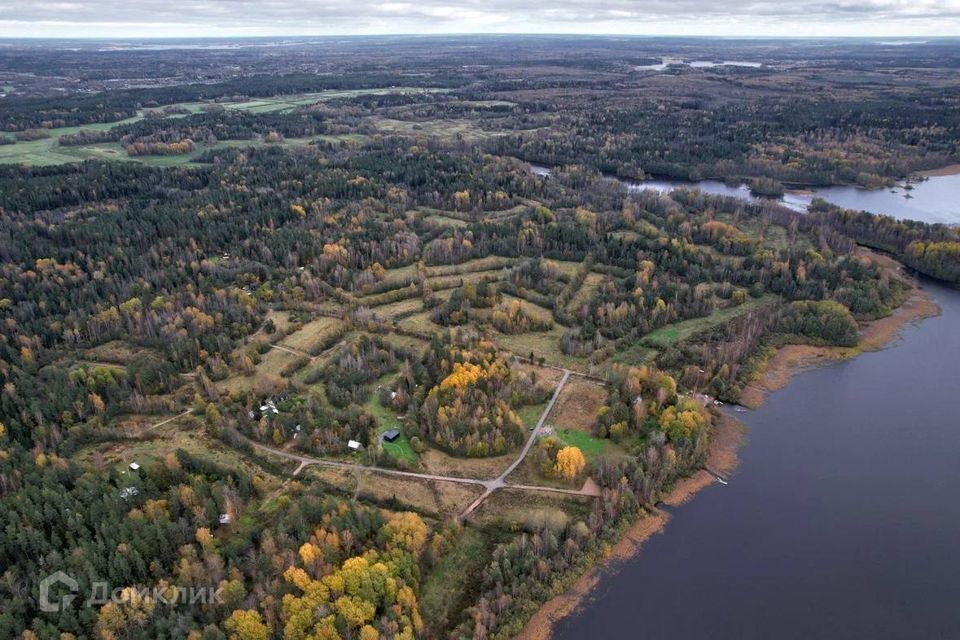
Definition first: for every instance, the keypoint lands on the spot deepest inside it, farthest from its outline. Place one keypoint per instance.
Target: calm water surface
(842, 520)
(935, 200)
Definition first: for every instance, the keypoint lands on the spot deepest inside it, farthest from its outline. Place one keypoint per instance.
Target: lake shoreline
(949, 170)
(728, 436)
(789, 360)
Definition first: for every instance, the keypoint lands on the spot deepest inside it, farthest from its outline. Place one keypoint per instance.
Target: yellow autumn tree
(570, 463)
(246, 624)
(408, 531)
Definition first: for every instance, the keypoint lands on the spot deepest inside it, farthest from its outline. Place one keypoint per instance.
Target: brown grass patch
(513, 507)
(115, 352)
(312, 334)
(432, 497)
(949, 170)
(880, 333)
(267, 373)
(547, 376)
(437, 462)
(281, 320)
(341, 479)
(578, 404)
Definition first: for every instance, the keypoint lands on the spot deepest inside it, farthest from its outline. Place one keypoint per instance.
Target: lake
(936, 199)
(842, 520)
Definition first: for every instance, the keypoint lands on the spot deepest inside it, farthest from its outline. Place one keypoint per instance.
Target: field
(47, 151)
(437, 499)
(545, 344)
(586, 291)
(437, 462)
(313, 334)
(578, 404)
(434, 499)
(680, 331)
(444, 129)
(512, 508)
(406, 307)
(531, 414)
(267, 374)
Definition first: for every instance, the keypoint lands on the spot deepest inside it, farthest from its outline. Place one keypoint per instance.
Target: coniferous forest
(286, 335)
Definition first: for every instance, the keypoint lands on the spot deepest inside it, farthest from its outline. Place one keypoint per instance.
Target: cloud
(140, 18)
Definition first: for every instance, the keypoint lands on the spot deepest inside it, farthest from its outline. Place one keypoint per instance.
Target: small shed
(354, 445)
(224, 518)
(134, 466)
(391, 435)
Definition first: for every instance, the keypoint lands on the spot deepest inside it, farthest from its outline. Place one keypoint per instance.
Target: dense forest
(294, 341)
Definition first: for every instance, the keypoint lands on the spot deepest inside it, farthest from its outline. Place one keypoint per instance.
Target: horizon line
(455, 34)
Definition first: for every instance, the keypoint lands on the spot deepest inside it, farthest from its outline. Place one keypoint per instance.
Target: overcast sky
(143, 18)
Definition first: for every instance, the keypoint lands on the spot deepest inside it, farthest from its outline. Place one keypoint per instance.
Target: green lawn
(590, 445)
(386, 420)
(531, 413)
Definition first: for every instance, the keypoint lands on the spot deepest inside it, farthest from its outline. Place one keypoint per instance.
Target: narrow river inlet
(842, 520)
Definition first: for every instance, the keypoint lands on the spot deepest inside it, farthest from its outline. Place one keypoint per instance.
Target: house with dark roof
(391, 435)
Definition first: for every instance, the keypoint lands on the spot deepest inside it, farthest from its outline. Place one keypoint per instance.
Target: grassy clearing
(591, 446)
(547, 376)
(530, 414)
(312, 334)
(444, 129)
(568, 268)
(680, 331)
(419, 323)
(399, 276)
(267, 372)
(441, 283)
(545, 344)
(439, 463)
(505, 213)
(531, 308)
(281, 320)
(339, 479)
(116, 352)
(578, 404)
(386, 420)
(586, 291)
(402, 308)
(407, 343)
(512, 508)
(445, 221)
(635, 354)
(432, 498)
